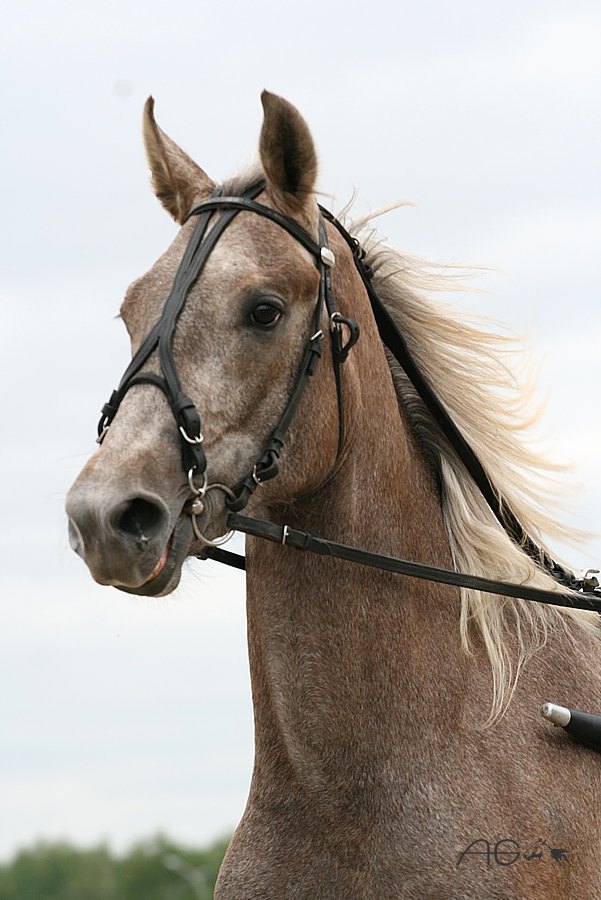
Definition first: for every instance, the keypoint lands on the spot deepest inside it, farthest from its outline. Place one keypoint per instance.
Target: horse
(399, 750)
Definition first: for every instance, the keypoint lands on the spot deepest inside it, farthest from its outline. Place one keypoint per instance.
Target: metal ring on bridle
(195, 440)
(205, 540)
(218, 486)
(200, 493)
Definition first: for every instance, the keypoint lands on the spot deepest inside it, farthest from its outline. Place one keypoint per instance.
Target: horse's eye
(266, 315)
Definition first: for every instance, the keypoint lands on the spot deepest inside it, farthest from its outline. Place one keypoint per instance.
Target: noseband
(160, 338)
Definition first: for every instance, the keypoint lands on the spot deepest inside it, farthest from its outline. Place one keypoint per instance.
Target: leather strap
(303, 540)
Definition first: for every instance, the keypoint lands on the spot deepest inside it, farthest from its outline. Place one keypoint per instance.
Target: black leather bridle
(344, 333)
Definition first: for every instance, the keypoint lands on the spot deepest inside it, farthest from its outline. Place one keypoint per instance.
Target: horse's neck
(341, 655)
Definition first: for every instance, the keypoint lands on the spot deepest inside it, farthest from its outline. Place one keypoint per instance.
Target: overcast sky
(122, 716)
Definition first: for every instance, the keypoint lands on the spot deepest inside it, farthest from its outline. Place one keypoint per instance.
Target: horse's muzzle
(127, 543)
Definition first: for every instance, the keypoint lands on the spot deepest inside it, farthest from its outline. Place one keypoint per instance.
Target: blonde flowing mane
(468, 365)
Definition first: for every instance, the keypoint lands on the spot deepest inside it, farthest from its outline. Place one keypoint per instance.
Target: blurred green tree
(154, 869)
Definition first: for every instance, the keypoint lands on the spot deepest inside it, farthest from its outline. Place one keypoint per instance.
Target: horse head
(225, 343)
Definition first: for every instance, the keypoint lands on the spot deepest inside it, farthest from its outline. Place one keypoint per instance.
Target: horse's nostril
(141, 520)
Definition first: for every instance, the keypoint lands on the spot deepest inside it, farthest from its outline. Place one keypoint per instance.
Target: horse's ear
(288, 156)
(177, 181)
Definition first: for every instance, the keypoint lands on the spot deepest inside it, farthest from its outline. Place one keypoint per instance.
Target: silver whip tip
(559, 715)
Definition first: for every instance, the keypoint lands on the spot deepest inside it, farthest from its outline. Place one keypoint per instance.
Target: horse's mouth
(161, 564)
(166, 574)
(182, 543)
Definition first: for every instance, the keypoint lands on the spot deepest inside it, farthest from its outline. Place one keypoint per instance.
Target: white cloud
(550, 241)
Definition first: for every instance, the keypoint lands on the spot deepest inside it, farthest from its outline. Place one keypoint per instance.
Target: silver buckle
(327, 257)
(186, 436)
(589, 581)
